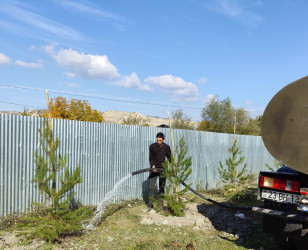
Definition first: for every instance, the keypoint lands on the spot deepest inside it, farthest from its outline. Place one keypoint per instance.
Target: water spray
(101, 207)
(195, 192)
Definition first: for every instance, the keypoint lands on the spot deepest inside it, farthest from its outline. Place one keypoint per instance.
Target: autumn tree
(181, 120)
(74, 109)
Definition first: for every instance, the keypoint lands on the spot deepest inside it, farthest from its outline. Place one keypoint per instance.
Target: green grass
(121, 229)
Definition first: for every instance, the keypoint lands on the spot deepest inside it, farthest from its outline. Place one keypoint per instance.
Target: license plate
(279, 196)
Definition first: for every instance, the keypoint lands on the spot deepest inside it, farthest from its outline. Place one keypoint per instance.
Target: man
(157, 154)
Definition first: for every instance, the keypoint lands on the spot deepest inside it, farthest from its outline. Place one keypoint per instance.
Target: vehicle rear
(285, 209)
(284, 133)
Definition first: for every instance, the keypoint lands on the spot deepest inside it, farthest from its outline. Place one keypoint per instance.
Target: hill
(113, 117)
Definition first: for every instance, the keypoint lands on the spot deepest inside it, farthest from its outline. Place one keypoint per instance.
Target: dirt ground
(229, 225)
(239, 225)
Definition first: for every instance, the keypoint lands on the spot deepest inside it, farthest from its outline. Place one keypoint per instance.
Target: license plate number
(279, 196)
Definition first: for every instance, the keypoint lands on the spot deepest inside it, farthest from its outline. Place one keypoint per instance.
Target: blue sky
(169, 54)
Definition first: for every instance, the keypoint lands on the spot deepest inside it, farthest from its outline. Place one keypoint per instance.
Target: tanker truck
(284, 130)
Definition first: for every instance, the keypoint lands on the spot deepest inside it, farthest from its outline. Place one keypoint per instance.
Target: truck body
(284, 131)
(284, 191)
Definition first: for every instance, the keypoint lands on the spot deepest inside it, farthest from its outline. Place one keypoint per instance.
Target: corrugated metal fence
(106, 153)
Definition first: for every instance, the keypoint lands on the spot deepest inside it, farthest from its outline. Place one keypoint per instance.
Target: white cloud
(91, 10)
(86, 66)
(4, 59)
(175, 86)
(94, 11)
(38, 65)
(13, 10)
(131, 81)
(237, 9)
(202, 80)
(13, 28)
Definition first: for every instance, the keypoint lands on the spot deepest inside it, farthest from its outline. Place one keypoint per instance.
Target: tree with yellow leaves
(74, 109)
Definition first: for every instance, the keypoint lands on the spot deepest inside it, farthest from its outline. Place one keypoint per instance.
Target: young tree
(48, 170)
(54, 219)
(277, 164)
(135, 119)
(231, 174)
(180, 120)
(74, 109)
(177, 172)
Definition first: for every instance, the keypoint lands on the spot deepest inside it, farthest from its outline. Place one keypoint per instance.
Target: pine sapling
(54, 219)
(48, 170)
(231, 174)
(177, 172)
(277, 164)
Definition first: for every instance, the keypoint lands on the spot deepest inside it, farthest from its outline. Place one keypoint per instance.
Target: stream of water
(102, 205)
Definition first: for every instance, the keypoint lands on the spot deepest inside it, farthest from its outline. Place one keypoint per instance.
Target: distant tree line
(217, 116)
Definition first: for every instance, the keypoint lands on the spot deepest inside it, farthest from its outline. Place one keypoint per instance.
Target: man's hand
(154, 171)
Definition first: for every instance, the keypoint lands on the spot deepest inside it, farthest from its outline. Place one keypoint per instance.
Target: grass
(121, 228)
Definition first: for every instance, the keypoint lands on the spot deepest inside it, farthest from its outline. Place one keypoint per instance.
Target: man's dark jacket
(158, 154)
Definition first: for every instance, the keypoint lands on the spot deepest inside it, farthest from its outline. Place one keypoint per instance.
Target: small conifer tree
(277, 164)
(176, 172)
(54, 219)
(47, 171)
(231, 174)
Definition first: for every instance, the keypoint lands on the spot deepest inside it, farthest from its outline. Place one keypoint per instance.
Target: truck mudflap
(281, 214)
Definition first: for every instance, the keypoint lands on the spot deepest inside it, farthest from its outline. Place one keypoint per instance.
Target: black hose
(215, 202)
(146, 170)
(195, 192)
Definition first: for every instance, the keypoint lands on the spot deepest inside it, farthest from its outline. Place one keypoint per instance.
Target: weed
(8, 221)
(200, 186)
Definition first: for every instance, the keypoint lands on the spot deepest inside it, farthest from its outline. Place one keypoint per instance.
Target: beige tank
(284, 127)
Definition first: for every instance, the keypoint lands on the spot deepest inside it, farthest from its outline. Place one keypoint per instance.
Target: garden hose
(144, 170)
(195, 192)
(215, 202)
